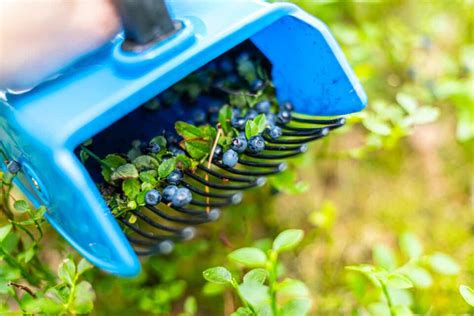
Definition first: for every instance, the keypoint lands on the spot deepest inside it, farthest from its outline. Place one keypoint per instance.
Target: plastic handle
(145, 21)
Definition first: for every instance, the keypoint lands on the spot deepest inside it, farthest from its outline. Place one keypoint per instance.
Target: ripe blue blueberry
(153, 197)
(284, 117)
(218, 152)
(263, 106)
(175, 177)
(257, 85)
(239, 144)
(182, 197)
(154, 148)
(256, 144)
(238, 123)
(230, 158)
(175, 150)
(271, 118)
(288, 106)
(251, 114)
(13, 167)
(274, 132)
(168, 192)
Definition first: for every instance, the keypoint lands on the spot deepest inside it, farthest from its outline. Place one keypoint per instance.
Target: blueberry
(218, 152)
(235, 112)
(288, 106)
(175, 150)
(153, 197)
(284, 117)
(271, 118)
(239, 123)
(199, 117)
(257, 85)
(256, 144)
(274, 132)
(230, 158)
(154, 148)
(13, 167)
(182, 197)
(168, 192)
(239, 144)
(175, 177)
(171, 138)
(251, 114)
(227, 65)
(263, 106)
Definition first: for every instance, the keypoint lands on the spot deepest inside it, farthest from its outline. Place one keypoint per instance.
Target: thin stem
(273, 281)
(209, 162)
(388, 298)
(95, 157)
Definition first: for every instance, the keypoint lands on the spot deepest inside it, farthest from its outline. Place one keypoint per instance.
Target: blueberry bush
(381, 210)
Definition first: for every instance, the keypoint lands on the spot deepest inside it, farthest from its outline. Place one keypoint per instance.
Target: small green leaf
(4, 231)
(198, 149)
(131, 188)
(443, 264)
(420, 277)
(256, 275)
(145, 162)
(408, 102)
(83, 266)
(398, 281)
(159, 140)
(291, 288)
(127, 171)
(225, 117)
(298, 307)
(368, 270)
(83, 298)
(401, 310)
(467, 294)
(188, 131)
(251, 129)
(261, 122)
(384, 257)
(218, 275)
(184, 162)
(21, 206)
(287, 240)
(249, 257)
(376, 126)
(411, 245)
(190, 306)
(212, 289)
(67, 271)
(166, 167)
(243, 311)
(255, 293)
(149, 176)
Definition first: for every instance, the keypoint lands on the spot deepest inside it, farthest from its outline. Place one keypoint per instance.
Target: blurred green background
(403, 167)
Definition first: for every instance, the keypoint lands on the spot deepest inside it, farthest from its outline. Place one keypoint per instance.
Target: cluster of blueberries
(178, 197)
(256, 143)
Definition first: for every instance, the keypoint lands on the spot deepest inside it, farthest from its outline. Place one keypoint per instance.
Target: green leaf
(198, 149)
(261, 122)
(325, 216)
(368, 270)
(225, 117)
(420, 277)
(218, 275)
(401, 310)
(190, 306)
(246, 69)
(83, 266)
(443, 264)
(291, 288)
(249, 257)
(384, 257)
(251, 129)
(188, 131)
(407, 102)
(184, 162)
(298, 307)
(287, 240)
(423, 115)
(159, 140)
(212, 289)
(145, 162)
(398, 281)
(149, 176)
(243, 311)
(467, 294)
(21, 206)
(256, 275)
(114, 160)
(377, 126)
(67, 271)
(83, 298)
(255, 293)
(131, 188)
(127, 171)
(4, 231)
(411, 245)
(166, 167)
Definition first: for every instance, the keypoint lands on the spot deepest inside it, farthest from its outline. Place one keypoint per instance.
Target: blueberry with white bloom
(239, 144)
(263, 106)
(153, 197)
(256, 144)
(284, 117)
(175, 177)
(230, 158)
(168, 192)
(182, 197)
(274, 132)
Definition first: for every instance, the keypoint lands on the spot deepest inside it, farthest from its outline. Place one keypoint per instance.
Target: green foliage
(260, 291)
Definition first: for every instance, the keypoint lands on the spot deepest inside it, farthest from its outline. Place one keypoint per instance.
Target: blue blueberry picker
(158, 130)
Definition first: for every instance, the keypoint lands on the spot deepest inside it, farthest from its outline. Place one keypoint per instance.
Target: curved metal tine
(301, 132)
(209, 204)
(224, 176)
(261, 173)
(188, 211)
(145, 233)
(251, 163)
(306, 131)
(151, 222)
(282, 148)
(208, 194)
(335, 121)
(321, 134)
(142, 242)
(221, 186)
(275, 156)
(190, 221)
